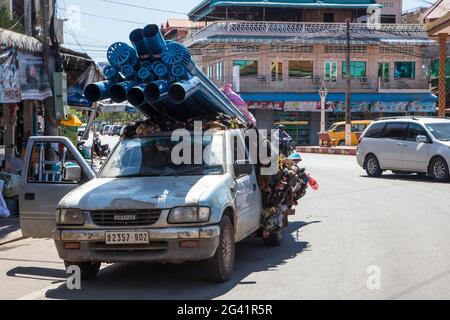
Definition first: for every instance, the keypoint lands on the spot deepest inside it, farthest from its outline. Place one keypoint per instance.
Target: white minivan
(406, 145)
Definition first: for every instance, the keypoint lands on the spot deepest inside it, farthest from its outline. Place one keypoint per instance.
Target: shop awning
(360, 102)
(340, 97)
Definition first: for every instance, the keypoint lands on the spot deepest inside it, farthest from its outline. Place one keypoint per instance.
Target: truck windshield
(440, 131)
(153, 156)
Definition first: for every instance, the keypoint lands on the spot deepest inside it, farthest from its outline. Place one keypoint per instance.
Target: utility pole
(348, 114)
(46, 15)
(27, 15)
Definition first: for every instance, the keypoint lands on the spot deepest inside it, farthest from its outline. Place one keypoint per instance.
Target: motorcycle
(101, 150)
(83, 150)
(286, 148)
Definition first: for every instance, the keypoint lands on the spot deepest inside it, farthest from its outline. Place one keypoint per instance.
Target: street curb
(11, 236)
(328, 150)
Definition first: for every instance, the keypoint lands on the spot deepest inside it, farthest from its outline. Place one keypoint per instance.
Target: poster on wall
(34, 82)
(9, 76)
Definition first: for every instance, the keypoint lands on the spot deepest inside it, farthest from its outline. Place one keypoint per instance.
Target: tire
(88, 269)
(341, 143)
(220, 267)
(438, 169)
(274, 239)
(373, 166)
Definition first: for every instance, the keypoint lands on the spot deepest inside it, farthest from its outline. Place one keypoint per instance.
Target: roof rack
(410, 117)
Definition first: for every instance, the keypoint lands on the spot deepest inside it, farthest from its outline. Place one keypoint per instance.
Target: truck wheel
(88, 269)
(274, 239)
(220, 267)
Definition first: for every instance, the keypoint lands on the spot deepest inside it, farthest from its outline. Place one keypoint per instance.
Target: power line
(105, 17)
(157, 10)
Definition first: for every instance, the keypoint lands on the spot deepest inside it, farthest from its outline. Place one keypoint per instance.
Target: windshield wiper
(142, 174)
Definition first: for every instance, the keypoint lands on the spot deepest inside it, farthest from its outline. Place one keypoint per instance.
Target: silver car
(406, 145)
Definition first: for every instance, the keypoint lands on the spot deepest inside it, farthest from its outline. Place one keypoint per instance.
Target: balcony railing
(267, 84)
(310, 31)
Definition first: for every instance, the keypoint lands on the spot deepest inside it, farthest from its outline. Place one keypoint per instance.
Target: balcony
(265, 84)
(307, 32)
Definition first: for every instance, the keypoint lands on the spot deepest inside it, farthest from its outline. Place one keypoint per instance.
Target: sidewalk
(9, 229)
(348, 151)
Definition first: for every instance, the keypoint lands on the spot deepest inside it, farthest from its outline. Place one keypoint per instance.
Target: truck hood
(141, 192)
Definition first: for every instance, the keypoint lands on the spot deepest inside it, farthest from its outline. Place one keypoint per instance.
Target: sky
(88, 33)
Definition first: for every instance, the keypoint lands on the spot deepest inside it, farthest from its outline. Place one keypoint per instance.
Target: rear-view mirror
(422, 139)
(72, 172)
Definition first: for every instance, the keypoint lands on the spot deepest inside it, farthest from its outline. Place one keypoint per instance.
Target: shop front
(300, 112)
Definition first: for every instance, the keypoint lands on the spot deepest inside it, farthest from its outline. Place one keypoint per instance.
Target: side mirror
(422, 139)
(242, 168)
(72, 172)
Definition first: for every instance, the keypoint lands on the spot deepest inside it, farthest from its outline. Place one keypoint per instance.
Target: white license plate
(127, 237)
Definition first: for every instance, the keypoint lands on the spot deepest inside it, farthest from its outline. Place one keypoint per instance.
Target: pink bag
(238, 102)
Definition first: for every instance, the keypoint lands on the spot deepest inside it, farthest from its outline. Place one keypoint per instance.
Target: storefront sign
(9, 76)
(34, 82)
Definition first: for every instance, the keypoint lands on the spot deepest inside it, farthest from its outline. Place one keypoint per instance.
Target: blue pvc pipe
(180, 91)
(135, 95)
(118, 92)
(153, 39)
(97, 91)
(138, 42)
(155, 90)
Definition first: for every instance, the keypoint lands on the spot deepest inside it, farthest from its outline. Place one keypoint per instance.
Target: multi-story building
(277, 54)
(414, 16)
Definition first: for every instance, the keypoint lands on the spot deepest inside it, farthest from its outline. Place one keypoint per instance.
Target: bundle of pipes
(154, 70)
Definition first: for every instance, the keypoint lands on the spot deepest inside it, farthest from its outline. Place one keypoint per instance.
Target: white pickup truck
(140, 206)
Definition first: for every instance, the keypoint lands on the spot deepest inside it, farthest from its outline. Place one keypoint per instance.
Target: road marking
(41, 293)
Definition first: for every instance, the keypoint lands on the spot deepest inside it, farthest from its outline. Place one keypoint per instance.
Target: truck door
(52, 168)
(248, 206)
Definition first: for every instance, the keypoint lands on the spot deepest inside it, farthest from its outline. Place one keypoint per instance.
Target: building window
(277, 71)
(292, 48)
(384, 71)
(301, 69)
(343, 49)
(397, 49)
(328, 17)
(247, 68)
(357, 69)
(405, 70)
(219, 71)
(388, 18)
(330, 71)
(209, 71)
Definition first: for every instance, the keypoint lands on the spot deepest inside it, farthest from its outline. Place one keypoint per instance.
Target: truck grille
(112, 218)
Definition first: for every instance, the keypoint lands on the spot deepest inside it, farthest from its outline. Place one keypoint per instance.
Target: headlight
(71, 217)
(189, 214)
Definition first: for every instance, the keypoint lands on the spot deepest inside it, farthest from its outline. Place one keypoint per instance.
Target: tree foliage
(6, 23)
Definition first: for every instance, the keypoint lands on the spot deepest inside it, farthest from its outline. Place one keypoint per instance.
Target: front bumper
(164, 245)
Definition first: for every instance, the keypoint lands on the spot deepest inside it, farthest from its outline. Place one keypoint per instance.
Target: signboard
(9, 76)
(33, 77)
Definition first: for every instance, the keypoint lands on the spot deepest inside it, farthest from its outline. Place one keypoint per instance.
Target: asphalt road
(355, 238)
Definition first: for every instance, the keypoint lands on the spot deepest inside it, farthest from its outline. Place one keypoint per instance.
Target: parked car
(406, 145)
(115, 131)
(105, 129)
(142, 207)
(337, 131)
(81, 130)
(101, 127)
